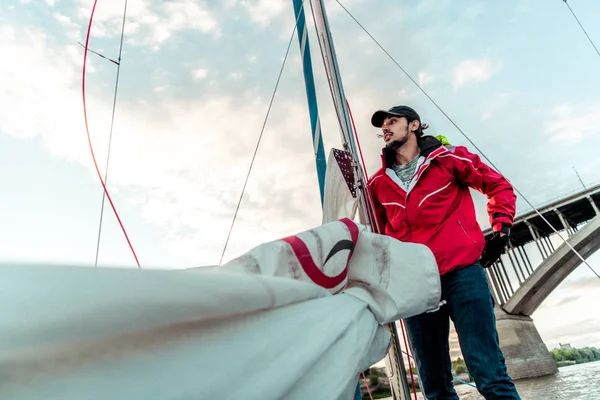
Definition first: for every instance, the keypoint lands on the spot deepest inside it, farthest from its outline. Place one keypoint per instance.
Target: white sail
(258, 327)
(338, 201)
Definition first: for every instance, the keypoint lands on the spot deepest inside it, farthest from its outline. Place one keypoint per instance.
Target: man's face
(395, 129)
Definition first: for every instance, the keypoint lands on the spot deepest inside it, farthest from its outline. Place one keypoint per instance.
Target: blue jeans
(357, 392)
(469, 304)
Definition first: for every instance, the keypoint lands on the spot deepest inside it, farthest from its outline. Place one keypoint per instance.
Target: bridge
(519, 285)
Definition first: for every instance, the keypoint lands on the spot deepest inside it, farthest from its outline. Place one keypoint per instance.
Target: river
(575, 382)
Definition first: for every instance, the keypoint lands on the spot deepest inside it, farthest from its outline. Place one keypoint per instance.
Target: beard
(396, 144)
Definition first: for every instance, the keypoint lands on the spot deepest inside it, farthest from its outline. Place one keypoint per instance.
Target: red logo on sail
(308, 263)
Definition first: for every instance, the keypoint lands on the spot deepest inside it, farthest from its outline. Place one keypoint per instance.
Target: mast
(339, 100)
(401, 389)
(333, 76)
(311, 95)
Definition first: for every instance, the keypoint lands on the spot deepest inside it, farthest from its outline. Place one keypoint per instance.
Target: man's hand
(493, 249)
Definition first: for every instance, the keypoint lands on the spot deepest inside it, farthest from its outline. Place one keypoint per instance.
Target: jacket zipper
(405, 203)
(407, 221)
(466, 234)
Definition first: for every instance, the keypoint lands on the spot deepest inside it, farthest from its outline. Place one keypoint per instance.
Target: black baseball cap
(397, 111)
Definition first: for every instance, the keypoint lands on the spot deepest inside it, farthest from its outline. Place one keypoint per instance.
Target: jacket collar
(427, 144)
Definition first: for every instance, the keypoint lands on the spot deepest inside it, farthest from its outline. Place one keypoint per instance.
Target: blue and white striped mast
(311, 95)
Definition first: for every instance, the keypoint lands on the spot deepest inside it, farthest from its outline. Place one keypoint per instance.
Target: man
(421, 195)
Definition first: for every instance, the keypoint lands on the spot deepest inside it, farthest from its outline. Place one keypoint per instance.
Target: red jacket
(437, 209)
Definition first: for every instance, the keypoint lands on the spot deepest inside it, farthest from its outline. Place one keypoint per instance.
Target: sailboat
(296, 318)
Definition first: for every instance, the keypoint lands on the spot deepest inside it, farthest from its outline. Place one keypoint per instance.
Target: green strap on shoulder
(443, 139)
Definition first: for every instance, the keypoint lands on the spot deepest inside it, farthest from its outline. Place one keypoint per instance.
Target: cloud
(424, 78)
(199, 73)
(475, 11)
(236, 76)
(494, 106)
(565, 317)
(431, 6)
(189, 14)
(573, 334)
(571, 290)
(183, 161)
(72, 27)
(150, 23)
(563, 301)
(47, 74)
(572, 123)
(582, 284)
(263, 12)
(473, 70)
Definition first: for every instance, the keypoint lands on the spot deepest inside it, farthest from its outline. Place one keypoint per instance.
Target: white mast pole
(339, 100)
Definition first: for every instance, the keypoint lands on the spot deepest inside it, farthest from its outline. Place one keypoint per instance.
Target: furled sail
(295, 318)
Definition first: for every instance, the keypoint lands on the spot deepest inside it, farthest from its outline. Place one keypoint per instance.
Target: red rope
(356, 137)
(371, 203)
(87, 129)
(412, 377)
(371, 207)
(368, 388)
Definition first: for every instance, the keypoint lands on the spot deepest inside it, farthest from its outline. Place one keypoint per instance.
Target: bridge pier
(519, 287)
(524, 350)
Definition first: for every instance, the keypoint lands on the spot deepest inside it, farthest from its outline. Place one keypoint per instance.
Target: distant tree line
(575, 355)
(378, 381)
(566, 356)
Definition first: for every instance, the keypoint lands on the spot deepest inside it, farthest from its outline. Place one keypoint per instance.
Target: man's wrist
(501, 228)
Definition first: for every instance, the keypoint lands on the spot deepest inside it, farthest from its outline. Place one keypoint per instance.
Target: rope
(468, 139)
(582, 28)
(364, 165)
(87, 129)
(112, 121)
(464, 382)
(371, 203)
(368, 388)
(260, 137)
(412, 376)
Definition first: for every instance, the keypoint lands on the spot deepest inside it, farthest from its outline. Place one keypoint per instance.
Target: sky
(519, 77)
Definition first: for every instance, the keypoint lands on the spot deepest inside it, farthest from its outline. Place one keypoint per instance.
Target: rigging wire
(98, 54)
(582, 28)
(260, 136)
(112, 121)
(467, 138)
(87, 129)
